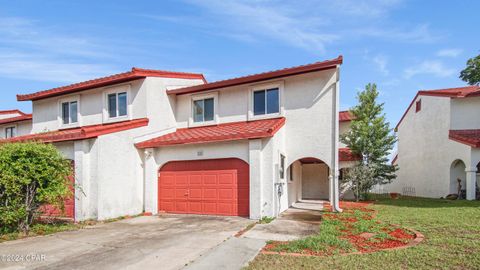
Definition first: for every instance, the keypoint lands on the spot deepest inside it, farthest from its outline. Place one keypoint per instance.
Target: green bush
(31, 174)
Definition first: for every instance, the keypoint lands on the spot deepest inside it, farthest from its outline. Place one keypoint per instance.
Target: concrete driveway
(165, 242)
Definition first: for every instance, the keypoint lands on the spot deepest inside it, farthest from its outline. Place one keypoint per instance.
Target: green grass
(41, 229)
(266, 220)
(451, 228)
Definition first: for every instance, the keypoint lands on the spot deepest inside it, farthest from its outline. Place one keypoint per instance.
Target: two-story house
(158, 141)
(439, 144)
(14, 123)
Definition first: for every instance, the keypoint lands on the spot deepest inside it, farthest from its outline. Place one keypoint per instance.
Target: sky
(401, 45)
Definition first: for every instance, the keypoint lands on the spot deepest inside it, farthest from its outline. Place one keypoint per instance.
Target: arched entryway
(458, 178)
(205, 187)
(308, 180)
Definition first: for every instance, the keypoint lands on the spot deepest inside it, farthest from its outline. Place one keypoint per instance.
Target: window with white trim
(69, 112)
(10, 132)
(203, 110)
(266, 101)
(117, 104)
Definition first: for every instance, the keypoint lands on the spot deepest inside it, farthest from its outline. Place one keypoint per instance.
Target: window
(117, 104)
(282, 166)
(69, 112)
(203, 110)
(266, 101)
(290, 173)
(418, 105)
(10, 132)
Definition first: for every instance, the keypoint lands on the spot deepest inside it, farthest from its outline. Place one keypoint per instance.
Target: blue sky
(402, 45)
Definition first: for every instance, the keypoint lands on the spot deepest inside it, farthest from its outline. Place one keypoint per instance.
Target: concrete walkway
(165, 242)
(299, 221)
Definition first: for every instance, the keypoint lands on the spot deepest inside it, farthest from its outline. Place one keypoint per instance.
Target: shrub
(31, 174)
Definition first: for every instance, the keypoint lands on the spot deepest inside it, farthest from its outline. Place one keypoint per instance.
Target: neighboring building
(439, 143)
(152, 141)
(14, 123)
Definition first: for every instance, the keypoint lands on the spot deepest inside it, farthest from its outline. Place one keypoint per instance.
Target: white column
(471, 174)
(151, 182)
(255, 162)
(334, 192)
(82, 180)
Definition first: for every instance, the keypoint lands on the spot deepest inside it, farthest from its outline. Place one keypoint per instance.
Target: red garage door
(207, 187)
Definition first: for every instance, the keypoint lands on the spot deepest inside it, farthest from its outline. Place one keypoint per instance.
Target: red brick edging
(418, 238)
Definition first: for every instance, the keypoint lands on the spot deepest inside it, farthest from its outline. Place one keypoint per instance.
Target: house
(439, 143)
(14, 123)
(158, 141)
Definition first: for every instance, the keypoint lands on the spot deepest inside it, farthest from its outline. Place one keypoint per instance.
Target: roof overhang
(134, 74)
(470, 137)
(318, 66)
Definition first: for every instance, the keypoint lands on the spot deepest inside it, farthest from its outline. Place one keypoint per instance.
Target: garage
(205, 187)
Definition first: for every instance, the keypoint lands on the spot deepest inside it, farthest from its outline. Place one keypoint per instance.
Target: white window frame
(117, 90)
(60, 112)
(214, 95)
(15, 131)
(265, 86)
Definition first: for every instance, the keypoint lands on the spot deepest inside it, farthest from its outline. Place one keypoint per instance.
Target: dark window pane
(208, 104)
(259, 102)
(122, 104)
(112, 105)
(198, 111)
(73, 112)
(10, 132)
(65, 113)
(272, 101)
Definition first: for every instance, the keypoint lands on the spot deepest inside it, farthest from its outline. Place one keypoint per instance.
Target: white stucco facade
(115, 178)
(429, 162)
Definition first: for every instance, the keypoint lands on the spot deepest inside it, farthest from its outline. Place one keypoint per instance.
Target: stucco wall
(46, 112)
(22, 128)
(465, 113)
(315, 181)
(295, 186)
(425, 154)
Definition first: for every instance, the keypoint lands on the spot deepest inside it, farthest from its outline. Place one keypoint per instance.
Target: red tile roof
(394, 160)
(134, 74)
(317, 66)
(457, 92)
(11, 112)
(469, 137)
(345, 154)
(21, 117)
(345, 116)
(222, 132)
(81, 133)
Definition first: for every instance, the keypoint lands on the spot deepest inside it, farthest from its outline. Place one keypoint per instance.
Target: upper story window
(117, 104)
(69, 112)
(266, 101)
(203, 110)
(418, 105)
(10, 132)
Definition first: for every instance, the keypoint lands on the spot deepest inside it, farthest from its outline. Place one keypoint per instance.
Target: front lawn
(452, 239)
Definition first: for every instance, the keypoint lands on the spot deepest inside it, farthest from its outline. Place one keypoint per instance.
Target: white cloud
(418, 34)
(381, 62)
(250, 20)
(29, 51)
(429, 67)
(449, 52)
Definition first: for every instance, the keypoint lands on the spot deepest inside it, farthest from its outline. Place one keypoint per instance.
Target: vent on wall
(418, 105)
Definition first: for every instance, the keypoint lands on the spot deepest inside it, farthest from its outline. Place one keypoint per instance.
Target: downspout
(335, 131)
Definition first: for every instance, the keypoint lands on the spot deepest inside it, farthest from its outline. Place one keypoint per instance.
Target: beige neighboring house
(439, 144)
(158, 141)
(14, 123)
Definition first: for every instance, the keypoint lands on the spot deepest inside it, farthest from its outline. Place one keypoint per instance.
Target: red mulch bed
(381, 236)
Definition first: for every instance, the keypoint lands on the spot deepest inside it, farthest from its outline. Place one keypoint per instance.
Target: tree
(471, 74)
(31, 174)
(360, 178)
(370, 137)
